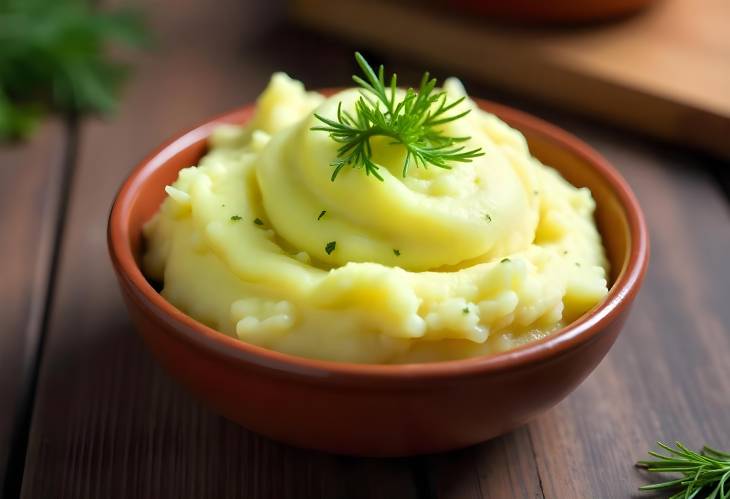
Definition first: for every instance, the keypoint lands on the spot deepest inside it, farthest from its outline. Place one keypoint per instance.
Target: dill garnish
(412, 122)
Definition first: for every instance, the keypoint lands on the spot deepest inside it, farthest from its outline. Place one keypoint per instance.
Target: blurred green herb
(706, 472)
(54, 57)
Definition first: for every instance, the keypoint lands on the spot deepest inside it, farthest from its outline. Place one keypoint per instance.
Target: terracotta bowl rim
(581, 331)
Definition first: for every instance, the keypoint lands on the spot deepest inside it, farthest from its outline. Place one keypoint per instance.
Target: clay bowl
(381, 410)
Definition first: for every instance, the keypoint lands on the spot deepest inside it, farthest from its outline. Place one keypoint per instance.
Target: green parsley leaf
(54, 57)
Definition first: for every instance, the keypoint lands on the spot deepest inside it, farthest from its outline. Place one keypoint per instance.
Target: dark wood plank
(108, 422)
(30, 196)
(503, 467)
(668, 376)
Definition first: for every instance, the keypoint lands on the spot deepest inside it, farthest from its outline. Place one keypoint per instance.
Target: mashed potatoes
(258, 242)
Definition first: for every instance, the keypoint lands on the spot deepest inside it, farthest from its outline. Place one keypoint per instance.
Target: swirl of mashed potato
(257, 241)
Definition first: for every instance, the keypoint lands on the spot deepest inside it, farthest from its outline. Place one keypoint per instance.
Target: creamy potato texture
(257, 242)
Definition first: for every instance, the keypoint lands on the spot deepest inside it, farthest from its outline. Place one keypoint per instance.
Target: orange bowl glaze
(381, 410)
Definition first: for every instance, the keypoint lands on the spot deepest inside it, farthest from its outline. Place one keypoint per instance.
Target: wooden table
(86, 412)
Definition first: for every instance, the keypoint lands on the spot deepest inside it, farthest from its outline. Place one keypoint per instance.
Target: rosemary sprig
(412, 122)
(706, 472)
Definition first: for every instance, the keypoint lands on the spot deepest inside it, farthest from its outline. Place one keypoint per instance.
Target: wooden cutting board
(665, 71)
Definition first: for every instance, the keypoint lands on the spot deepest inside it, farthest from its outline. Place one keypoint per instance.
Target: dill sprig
(706, 472)
(413, 122)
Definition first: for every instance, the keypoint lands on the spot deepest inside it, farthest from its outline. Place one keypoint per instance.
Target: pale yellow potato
(441, 264)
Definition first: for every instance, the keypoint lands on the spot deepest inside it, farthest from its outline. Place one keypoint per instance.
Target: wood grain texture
(665, 71)
(108, 422)
(503, 467)
(30, 193)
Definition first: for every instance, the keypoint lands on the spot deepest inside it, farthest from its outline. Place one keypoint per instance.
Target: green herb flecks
(465, 310)
(487, 217)
(505, 260)
(321, 214)
(258, 221)
(396, 252)
(330, 247)
(413, 122)
(235, 218)
(706, 472)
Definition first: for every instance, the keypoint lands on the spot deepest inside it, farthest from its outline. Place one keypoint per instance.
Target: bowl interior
(160, 169)
(611, 216)
(553, 147)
